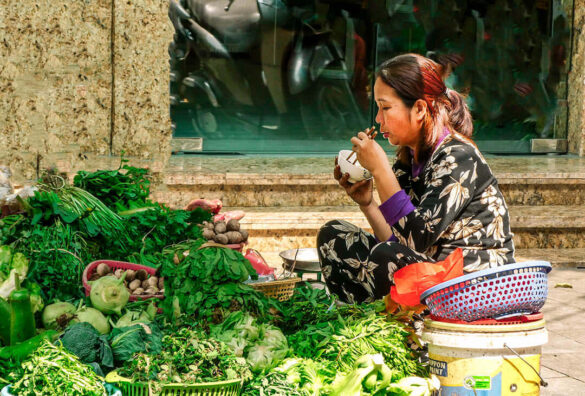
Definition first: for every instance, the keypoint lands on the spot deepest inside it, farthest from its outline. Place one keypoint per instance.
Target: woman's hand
(361, 192)
(370, 154)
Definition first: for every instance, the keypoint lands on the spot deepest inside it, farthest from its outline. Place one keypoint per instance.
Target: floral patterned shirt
(457, 204)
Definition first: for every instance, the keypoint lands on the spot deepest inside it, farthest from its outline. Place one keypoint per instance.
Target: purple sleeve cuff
(396, 207)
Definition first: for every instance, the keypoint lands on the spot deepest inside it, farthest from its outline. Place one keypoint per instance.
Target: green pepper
(19, 352)
(5, 313)
(22, 321)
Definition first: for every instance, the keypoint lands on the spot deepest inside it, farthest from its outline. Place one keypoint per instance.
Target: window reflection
(276, 75)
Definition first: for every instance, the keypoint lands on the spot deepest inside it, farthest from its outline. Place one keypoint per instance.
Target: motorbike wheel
(329, 110)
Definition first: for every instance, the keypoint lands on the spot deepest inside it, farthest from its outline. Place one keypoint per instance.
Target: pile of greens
(263, 345)
(51, 370)
(205, 283)
(121, 189)
(187, 356)
(67, 227)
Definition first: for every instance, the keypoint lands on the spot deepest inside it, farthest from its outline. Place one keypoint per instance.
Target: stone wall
(60, 83)
(55, 80)
(576, 94)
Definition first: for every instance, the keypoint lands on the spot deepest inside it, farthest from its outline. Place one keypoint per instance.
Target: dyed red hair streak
(415, 77)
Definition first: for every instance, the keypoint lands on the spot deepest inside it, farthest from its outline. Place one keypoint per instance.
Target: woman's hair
(415, 77)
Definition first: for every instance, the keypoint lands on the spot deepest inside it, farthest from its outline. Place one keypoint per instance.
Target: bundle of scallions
(78, 204)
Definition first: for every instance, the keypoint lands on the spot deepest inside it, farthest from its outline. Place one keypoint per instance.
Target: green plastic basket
(221, 388)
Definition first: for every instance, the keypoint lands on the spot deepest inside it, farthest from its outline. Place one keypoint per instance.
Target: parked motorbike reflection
(262, 68)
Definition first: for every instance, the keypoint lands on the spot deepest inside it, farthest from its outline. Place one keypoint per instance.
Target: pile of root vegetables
(138, 282)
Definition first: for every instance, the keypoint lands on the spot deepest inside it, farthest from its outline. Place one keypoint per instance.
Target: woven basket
(281, 290)
(221, 388)
(114, 265)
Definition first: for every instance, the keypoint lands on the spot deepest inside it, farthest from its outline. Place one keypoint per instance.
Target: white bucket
(479, 360)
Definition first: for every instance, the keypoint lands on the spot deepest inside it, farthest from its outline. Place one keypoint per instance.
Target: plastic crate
(506, 291)
(220, 388)
(281, 289)
(114, 265)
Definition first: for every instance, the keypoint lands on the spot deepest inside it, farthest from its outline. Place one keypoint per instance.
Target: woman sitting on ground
(440, 194)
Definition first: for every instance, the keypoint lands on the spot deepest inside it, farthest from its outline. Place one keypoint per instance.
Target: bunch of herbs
(205, 283)
(51, 370)
(188, 356)
(121, 189)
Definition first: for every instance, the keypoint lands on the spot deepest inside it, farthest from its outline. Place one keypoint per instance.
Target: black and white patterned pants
(355, 266)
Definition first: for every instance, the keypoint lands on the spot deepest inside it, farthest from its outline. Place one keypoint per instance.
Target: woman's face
(400, 125)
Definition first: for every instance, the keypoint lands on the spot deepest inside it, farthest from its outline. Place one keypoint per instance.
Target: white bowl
(356, 172)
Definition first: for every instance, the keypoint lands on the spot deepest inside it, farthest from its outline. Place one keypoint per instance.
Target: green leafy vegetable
(187, 357)
(84, 341)
(127, 341)
(52, 370)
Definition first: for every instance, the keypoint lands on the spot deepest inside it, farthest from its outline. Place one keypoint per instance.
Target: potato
(130, 275)
(244, 234)
(151, 290)
(221, 238)
(135, 284)
(208, 225)
(152, 281)
(118, 273)
(138, 291)
(233, 225)
(208, 234)
(103, 269)
(95, 276)
(141, 274)
(220, 227)
(234, 237)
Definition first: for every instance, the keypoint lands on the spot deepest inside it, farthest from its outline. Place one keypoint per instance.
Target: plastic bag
(258, 262)
(414, 279)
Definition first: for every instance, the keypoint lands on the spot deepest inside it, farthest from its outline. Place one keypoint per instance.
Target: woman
(439, 195)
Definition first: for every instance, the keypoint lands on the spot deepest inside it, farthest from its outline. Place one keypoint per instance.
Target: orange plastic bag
(412, 280)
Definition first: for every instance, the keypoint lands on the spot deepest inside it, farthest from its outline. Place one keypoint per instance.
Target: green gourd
(5, 313)
(22, 321)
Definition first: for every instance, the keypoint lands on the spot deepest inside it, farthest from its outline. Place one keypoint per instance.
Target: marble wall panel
(55, 79)
(142, 33)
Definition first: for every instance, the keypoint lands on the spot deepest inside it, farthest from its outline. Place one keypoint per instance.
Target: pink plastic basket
(114, 265)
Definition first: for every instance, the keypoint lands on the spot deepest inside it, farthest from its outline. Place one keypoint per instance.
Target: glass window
(295, 76)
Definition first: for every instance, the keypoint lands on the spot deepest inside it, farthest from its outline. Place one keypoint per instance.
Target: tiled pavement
(563, 358)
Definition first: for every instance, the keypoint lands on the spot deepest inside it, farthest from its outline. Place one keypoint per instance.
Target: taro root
(103, 269)
(220, 227)
(118, 273)
(161, 283)
(221, 238)
(234, 237)
(233, 225)
(244, 234)
(208, 234)
(141, 274)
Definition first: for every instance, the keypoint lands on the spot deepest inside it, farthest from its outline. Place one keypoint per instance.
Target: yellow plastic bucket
(486, 360)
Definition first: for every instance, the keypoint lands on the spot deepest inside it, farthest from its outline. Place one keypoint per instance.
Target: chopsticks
(371, 132)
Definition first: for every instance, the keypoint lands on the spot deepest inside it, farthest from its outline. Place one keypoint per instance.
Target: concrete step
(253, 190)
(280, 228)
(308, 181)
